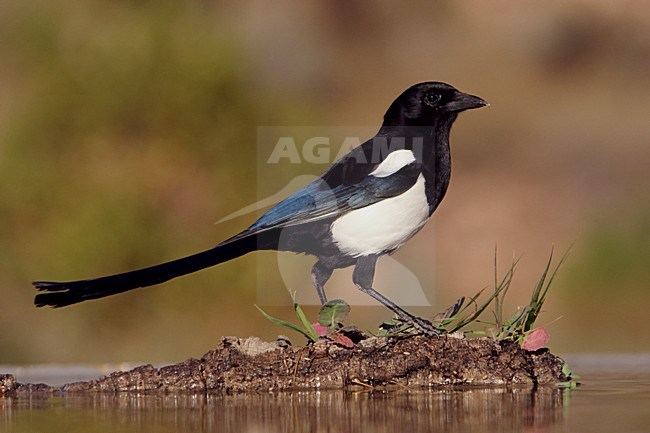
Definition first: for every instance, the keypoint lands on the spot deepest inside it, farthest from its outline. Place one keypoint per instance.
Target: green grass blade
(552, 277)
(501, 287)
(311, 332)
(541, 290)
(535, 297)
(498, 305)
(472, 301)
(288, 325)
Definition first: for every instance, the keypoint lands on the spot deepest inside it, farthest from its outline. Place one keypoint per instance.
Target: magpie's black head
(429, 103)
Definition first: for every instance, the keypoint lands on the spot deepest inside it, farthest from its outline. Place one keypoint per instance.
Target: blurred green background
(128, 128)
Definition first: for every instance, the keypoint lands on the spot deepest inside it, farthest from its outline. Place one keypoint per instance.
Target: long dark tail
(62, 294)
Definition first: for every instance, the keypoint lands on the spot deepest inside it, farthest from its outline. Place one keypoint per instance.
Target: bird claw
(422, 326)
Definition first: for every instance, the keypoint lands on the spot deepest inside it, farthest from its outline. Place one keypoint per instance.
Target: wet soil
(254, 365)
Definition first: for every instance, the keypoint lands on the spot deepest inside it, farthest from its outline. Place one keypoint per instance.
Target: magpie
(367, 204)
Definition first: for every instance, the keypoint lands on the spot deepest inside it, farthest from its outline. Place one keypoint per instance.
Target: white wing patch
(383, 226)
(393, 163)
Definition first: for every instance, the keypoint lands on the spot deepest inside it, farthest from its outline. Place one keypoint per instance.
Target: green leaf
(569, 385)
(568, 373)
(333, 313)
(392, 328)
(305, 332)
(476, 332)
(309, 329)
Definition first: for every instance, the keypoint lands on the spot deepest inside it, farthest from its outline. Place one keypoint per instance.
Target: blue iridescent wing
(319, 200)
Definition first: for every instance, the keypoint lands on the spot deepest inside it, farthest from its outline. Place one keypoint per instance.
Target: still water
(614, 397)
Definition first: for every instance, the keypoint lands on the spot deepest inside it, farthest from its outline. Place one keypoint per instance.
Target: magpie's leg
(320, 273)
(364, 274)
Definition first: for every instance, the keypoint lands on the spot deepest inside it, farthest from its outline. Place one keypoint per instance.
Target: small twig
(358, 382)
(295, 370)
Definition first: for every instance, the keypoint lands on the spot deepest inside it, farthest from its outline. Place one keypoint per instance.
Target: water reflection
(466, 410)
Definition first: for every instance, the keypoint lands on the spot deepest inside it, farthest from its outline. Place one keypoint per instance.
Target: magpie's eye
(432, 99)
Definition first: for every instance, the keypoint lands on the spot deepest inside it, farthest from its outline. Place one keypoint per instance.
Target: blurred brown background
(128, 128)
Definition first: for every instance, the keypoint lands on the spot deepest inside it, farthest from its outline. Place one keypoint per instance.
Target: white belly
(383, 226)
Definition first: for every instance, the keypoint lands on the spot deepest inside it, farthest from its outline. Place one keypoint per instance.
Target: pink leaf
(342, 340)
(535, 339)
(321, 330)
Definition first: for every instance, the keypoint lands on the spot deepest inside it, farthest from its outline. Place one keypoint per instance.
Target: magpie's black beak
(465, 101)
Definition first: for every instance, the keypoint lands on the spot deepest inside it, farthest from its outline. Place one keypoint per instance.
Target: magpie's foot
(423, 326)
